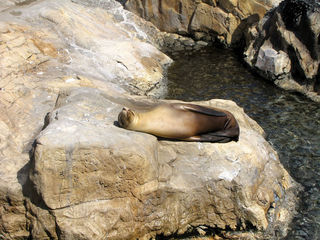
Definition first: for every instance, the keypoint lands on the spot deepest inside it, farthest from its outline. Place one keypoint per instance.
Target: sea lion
(183, 121)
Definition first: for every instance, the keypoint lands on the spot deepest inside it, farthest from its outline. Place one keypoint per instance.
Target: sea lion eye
(122, 118)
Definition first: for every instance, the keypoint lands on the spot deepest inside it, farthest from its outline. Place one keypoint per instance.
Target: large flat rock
(123, 184)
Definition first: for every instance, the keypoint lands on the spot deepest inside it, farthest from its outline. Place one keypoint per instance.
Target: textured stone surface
(272, 62)
(49, 46)
(99, 180)
(291, 32)
(223, 20)
(6, 4)
(73, 174)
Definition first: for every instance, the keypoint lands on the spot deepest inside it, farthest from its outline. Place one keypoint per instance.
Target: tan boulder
(103, 181)
(44, 50)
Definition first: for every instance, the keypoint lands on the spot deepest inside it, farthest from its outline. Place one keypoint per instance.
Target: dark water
(291, 121)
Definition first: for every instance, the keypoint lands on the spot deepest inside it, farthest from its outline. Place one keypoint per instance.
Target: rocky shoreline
(68, 172)
(281, 42)
(284, 47)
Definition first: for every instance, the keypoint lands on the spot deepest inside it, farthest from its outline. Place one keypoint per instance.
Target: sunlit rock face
(68, 172)
(49, 46)
(284, 47)
(209, 20)
(99, 180)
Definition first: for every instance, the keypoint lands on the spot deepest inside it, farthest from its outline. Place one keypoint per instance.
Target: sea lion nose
(125, 109)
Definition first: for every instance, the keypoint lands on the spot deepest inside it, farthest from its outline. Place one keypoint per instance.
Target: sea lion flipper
(223, 136)
(209, 138)
(202, 109)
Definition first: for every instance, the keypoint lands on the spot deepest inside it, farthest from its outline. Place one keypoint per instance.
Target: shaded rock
(174, 43)
(290, 31)
(223, 20)
(207, 18)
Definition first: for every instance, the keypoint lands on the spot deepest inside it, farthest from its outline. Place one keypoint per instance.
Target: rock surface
(45, 47)
(284, 47)
(223, 20)
(68, 172)
(99, 180)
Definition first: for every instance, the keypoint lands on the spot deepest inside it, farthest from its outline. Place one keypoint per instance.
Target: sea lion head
(126, 118)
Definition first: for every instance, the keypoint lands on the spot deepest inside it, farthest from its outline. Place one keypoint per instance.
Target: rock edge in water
(285, 47)
(282, 39)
